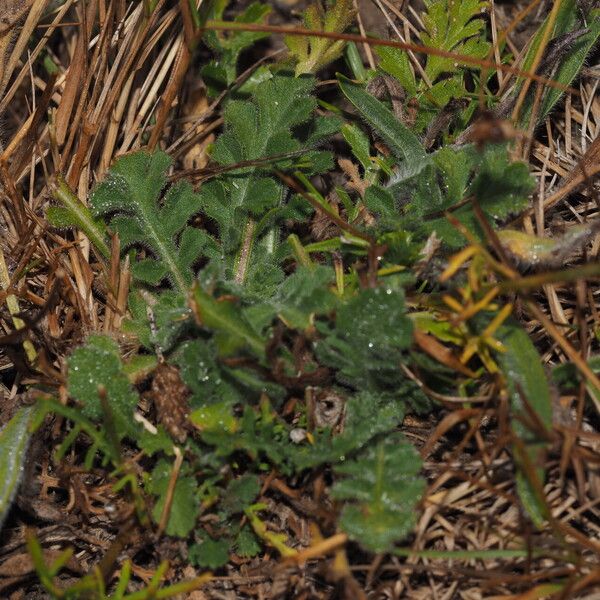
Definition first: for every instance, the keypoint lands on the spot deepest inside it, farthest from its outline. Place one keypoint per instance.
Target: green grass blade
(225, 318)
(14, 440)
(73, 213)
(572, 62)
(527, 382)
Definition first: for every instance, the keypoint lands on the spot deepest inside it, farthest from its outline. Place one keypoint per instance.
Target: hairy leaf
(170, 314)
(402, 142)
(240, 493)
(367, 416)
(98, 365)
(246, 543)
(221, 72)
(267, 126)
(210, 554)
(202, 374)
(396, 62)
(131, 197)
(313, 53)
(532, 409)
(297, 300)
(380, 488)
(259, 433)
(367, 345)
(185, 507)
(500, 186)
(14, 441)
(452, 25)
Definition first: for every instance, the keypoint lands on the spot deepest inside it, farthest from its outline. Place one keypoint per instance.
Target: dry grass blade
(12, 12)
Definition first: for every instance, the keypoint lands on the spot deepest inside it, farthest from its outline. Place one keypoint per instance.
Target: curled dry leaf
(533, 251)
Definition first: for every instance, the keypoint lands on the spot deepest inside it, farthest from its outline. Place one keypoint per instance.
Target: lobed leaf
(185, 507)
(130, 197)
(210, 553)
(313, 53)
(380, 489)
(266, 126)
(453, 25)
(501, 187)
(221, 72)
(368, 415)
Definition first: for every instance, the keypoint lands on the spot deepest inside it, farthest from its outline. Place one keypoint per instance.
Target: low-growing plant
(276, 330)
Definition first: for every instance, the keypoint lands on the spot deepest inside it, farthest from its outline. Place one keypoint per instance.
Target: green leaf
(567, 376)
(501, 187)
(452, 25)
(377, 318)
(266, 126)
(98, 435)
(303, 295)
(152, 443)
(381, 202)
(401, 141)
(202, 374)
(359, 143)
(225, 319)
(522, 366)
(527, 381)
(74, 213)
(571, 64)
(210, 554)
(139, 366)
(171, 316)
(313, 53)
(221, 72)
(247, 544)
(131, 197)
(14, 441)
(567, 21)
(95, 365)
(380, 488)
(240, 493)
(216, 418)
(395, 61)
(213, 385)
(261, 435)
(258, 432)
(367, 416)
(367, 345)
(185, 507)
